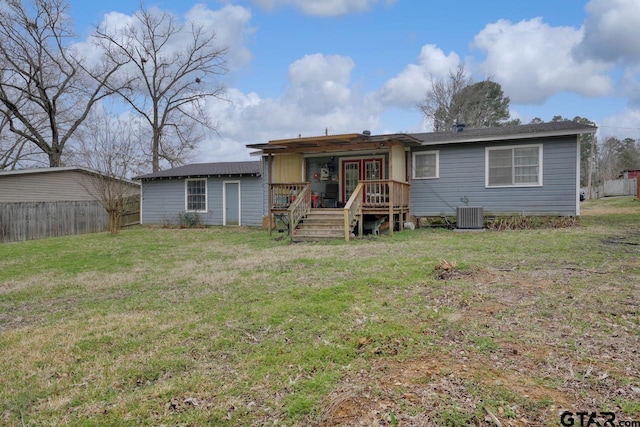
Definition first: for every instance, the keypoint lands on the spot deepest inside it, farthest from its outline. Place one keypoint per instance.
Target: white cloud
(623, 125)
(319, 82)
(324, 7)
(319, 97)
(410, 86)
(231, 28)
(612, 30)
(630, 85)
(533, 61)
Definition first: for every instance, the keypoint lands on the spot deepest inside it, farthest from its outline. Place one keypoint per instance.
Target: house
(333, 186)
(528, 170)
(45, 202)
(513, 170)
(230, 193)
(630, 174)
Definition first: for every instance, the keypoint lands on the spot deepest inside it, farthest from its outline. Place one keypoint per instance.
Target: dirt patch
(630, 241)
(424, 392)
(512, 347)
(448, 270)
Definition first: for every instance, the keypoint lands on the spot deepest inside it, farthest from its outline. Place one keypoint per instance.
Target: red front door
(356, 170)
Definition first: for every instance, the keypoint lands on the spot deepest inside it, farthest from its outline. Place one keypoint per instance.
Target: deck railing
(291, 202)
(283, 195)
(379, 193)
(353, 211)
(299, 208)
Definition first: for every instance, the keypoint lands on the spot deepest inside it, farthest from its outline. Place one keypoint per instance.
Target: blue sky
(301, 66)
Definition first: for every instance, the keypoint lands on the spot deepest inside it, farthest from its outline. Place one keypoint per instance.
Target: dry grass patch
(222, 326)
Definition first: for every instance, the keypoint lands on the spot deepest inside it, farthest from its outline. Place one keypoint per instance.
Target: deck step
(321, 224)
(316, 236)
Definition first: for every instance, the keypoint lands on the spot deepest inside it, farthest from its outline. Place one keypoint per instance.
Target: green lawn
(223, 326)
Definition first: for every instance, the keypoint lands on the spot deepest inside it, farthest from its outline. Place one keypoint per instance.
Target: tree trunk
(155, 145)
(55, 158)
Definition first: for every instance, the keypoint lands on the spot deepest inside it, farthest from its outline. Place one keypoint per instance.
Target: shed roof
(58, 184)
(219, 169)
(538, 130)
(60, 169)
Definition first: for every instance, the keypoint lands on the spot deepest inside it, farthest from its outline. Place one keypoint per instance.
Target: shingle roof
(506, 132)
(251, 168)
(60, 169)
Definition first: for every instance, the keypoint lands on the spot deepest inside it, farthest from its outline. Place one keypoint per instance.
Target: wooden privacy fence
(615, 187)
(37, 220)
(131, 214)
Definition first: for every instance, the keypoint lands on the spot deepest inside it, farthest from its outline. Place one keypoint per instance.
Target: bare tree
(589, 149)
(608, 159)
(45, 90)
(110, 146)
(173, 70)
(15, 151)
(438, 105)
(458, 100)
(614, 156)
(481, 105)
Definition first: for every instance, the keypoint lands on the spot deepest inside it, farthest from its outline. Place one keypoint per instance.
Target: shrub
(189, 220)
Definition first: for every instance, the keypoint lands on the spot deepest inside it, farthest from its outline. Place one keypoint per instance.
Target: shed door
(231, 196)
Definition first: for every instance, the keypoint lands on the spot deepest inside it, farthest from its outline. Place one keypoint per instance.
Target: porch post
(269, 191)
(390, 181)
(409, 176)
(347, 228)
(390, 207)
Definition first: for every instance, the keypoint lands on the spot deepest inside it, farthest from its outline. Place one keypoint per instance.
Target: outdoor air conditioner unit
(470, 217)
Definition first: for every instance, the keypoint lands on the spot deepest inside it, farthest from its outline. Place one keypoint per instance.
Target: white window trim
(511, 147)
(418, 153)
(206, 195)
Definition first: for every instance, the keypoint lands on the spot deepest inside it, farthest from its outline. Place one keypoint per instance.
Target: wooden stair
(320, 224)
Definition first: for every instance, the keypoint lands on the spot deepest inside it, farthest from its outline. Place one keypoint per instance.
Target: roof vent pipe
(458, 127)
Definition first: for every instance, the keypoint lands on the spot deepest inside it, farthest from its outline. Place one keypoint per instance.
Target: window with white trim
(519, 166)
(196, 195)
(426, 164)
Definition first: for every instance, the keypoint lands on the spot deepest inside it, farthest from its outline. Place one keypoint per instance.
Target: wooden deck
(292, 204)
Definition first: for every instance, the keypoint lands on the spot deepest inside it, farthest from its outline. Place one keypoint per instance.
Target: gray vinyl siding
(462, 176)
(252, 196)
(164, 199)
(45, 187)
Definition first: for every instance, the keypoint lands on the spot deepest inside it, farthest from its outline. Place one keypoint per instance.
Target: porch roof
(329, 143)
